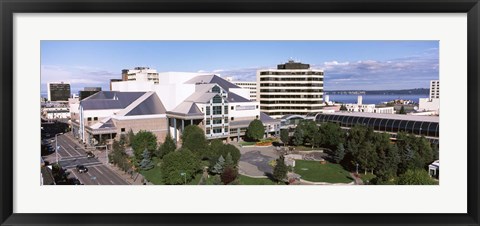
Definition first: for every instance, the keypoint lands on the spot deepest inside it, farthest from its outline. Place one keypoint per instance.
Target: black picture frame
(10, 7)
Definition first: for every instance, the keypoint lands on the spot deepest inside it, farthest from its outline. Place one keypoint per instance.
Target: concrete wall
(158, 126)
(427, 104)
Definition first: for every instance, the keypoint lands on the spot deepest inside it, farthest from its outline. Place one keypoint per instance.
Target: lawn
(153, 175)
(366, 177)
(245, 143)
(244, 180)
(316, 172)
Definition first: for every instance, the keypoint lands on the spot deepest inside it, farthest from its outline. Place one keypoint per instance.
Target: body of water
(374, 99)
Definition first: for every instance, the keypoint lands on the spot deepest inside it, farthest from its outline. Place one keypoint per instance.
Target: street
(71, 154)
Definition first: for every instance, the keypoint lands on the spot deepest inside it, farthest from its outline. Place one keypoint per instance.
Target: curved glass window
(345, 120)
(216, 89)
(395, 126)
(409, 126)
(402, 125)
(340, 120)
(432, 129)
(377, 123)
(437, 132)
(424, 128)
(416, 128)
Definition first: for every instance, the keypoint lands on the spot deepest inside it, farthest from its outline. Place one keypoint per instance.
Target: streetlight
(357, 168)
(57, 147)
(185, 176)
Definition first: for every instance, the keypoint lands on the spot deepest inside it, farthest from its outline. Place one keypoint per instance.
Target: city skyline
(355, 65)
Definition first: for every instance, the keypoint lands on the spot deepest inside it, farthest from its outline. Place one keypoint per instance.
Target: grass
(153, 175)
(245, 143)
(366, 177)
(316, 172)
(244, 180)
(305, 148)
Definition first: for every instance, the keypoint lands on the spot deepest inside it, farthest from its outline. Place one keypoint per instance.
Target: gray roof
(110, 100)
(232, 97)
(226, 85)
(150, 106)
(187, 108)
(266, 119)
(108, 124)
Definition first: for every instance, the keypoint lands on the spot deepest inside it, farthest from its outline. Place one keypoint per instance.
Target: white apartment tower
(291, 88)
(140, 74)
(434, 89)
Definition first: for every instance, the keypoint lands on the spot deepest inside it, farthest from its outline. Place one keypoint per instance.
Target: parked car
(82, 169)
(90, 155)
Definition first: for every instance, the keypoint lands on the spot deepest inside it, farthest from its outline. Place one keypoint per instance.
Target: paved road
(71, 154)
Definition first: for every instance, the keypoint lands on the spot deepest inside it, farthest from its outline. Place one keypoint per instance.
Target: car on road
(82, 169)
(90, 155)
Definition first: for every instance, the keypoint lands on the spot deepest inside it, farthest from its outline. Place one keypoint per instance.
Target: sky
(347, 65)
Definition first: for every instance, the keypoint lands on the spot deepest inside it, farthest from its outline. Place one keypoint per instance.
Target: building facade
(140, 74)
(222, 109)
(431, 104)
(251, 86)
(58, 91)
(88, 91)
(292, 88)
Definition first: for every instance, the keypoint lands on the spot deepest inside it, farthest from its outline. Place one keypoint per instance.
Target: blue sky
(362, 65)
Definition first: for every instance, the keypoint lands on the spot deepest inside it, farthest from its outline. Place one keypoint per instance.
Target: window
(231, 108)
(226, 128)
(217, 130)
(216, 89)
(217, 99)
(208, 131)
(89, 119)
(208, 110)
(217, 121)
(217, 110)
(257, 106)
(225, 110)
(225, 120)
(95, 118)
(231, 119)
(122, 130)
(207, 122)
(256, 116)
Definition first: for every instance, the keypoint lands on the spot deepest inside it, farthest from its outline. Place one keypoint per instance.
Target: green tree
(193, 138)
(144, 140)
(402, 111)
(339, 153)
(284, 136)
(167, 147)
(229, 161)
(305, 133)
(130, 137)
(332, 135)
(229, 175)
(146, 162)
(280, 170)
(218, 167)
(415, 177)
(178, 166)
(255, 130)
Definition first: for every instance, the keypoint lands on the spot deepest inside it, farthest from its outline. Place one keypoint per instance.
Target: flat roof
(387, 116)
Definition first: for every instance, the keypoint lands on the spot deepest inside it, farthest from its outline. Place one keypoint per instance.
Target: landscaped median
(314, 171)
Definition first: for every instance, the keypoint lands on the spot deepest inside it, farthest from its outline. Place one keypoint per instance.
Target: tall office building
(291, 88)
(140, 74)
(58, 91)
(251, 86)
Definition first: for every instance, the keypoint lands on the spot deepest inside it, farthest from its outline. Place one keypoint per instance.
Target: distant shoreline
(418, 91)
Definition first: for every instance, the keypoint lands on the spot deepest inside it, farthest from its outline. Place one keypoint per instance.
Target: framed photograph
(242, 113)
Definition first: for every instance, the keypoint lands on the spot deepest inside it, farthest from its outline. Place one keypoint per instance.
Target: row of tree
(362, 148)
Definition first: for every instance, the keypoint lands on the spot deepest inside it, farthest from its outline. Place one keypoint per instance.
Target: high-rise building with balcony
(291, 88)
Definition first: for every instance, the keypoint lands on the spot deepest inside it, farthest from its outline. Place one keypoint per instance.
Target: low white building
(428, 104)
(370, 108)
